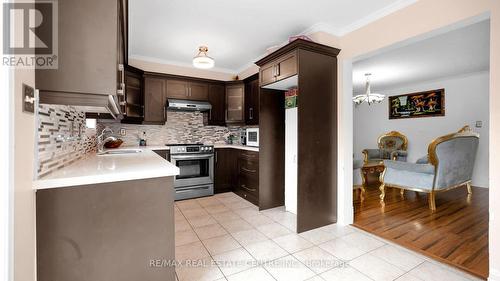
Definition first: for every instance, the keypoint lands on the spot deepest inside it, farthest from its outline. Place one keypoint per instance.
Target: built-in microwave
(253, 137)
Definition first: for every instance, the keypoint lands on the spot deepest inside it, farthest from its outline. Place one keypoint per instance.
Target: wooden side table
(371, 168)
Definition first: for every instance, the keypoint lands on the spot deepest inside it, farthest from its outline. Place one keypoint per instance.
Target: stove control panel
(191, 149)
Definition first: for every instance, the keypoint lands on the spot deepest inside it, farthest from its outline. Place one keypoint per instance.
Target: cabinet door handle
(248, 170)
(121, 69)
(216, 156)
(249, 189)
(250, 111)
(277, 70)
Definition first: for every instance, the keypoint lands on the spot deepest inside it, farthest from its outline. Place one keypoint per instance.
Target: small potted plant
(230, 139)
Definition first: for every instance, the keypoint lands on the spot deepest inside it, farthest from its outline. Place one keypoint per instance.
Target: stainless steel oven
(196, 165)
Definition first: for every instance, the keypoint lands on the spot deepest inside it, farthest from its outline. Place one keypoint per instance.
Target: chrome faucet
(101, 141)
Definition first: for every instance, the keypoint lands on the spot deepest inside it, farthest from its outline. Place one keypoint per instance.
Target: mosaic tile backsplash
(62, 137)
(181, 127)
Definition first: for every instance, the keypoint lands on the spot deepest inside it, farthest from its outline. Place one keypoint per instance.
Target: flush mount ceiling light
(202, 60)
(368, 96)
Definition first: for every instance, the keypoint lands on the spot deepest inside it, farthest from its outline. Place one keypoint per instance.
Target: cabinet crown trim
(299, 44)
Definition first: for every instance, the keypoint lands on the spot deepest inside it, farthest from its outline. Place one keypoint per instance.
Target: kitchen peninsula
(107, 217)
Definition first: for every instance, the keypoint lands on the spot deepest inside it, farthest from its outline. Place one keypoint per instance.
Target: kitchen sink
(119, 151)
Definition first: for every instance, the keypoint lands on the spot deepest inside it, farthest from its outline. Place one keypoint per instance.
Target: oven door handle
(191, 189)
(198, 156)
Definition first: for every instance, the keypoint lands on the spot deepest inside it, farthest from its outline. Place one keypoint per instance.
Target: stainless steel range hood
(188, 105)
(91, 103)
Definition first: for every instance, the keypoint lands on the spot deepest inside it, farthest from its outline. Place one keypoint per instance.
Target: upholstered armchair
(392, 145)
(449, 164)
(356, 174)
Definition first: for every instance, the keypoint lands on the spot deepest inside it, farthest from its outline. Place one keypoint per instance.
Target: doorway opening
(410, 186)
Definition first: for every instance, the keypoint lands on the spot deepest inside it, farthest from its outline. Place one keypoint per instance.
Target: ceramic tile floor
(224, 237)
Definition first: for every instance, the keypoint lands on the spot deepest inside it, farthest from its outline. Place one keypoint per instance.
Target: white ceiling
(237, 32)
(456, 52)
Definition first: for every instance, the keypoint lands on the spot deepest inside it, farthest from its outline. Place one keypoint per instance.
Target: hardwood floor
(457, 233)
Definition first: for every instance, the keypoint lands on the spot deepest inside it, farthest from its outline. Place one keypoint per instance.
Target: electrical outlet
(28, 99)
(479, 124)
(123, 132)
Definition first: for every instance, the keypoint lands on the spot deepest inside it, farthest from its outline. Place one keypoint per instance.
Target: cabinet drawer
(252, 198)
(248, 166)
(248, 183)
(247, 154)
(248, 188)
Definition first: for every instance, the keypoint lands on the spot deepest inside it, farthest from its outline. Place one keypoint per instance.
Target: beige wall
(494, 234)
(417, 20)
(24, 195)
(414, 21)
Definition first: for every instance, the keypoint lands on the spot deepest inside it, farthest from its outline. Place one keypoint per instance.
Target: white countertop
(237, 146)
(95, 169)
(216, 145)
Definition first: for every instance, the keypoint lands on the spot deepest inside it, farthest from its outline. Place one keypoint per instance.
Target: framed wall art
(415, 105)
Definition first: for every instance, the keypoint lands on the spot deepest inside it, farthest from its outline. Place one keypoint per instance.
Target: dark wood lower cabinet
(238, 171)
(248, 176)
(225, 169)
(164, 153)
(107, 231)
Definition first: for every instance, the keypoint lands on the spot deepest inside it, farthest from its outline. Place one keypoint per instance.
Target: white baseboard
(494, 275)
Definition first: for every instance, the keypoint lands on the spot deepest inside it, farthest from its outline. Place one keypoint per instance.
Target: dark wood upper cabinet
(177, 89)
(155, 100)
(286, 67)
(133, 102)
(198, 91)
(123, 32)
(315, 68)
(279, 69)
(235, 102)
(267, 74)
(252, 91)
(217, 98)
(92, 41)
(187, 90)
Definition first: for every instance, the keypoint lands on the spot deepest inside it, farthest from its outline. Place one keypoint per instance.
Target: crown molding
(320, 26)
(378, 14)
(317, 27)
(182, 64)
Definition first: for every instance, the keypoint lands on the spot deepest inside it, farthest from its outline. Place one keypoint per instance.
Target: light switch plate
(479, 124)
(123, 132)
(28, 99)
